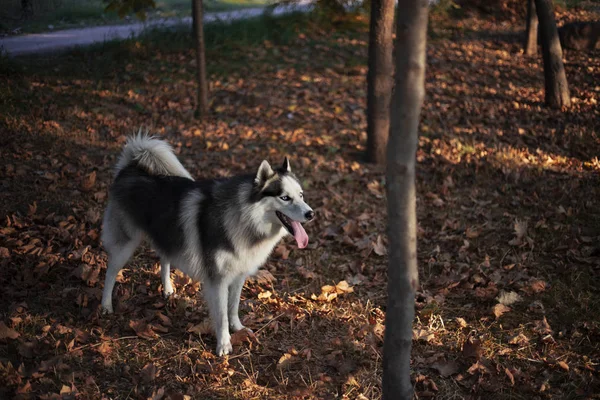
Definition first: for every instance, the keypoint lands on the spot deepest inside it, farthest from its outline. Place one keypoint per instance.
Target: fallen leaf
(7, 333)
(446, 368)
(284, 360)
(520, 228)
(243, 336)
(379, 247)
(508, 298)
(142, 329)
(306, 273)
(262, 276)
(65, 390)
(478, 367)
(148, 373)
(26, 349)
(510, 376)
(563, 365)
(423, 334)
(472, 348)
(89, 181)
(265, 295)
(542, 327)
(105, 348)
(519, 339)
(203, 328)
(500, 309)
(461, 322)
(343, 287)
(537, 286)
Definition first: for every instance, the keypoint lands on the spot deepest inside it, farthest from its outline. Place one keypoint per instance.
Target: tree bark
(202, 101)
(380, 80)
(555, 78)
(403, 276)
(26, 9)
(531, 30)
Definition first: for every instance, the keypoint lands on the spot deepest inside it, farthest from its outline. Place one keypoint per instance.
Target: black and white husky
(218, 231)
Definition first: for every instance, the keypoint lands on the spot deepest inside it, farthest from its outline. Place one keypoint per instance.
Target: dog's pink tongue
(300, 234)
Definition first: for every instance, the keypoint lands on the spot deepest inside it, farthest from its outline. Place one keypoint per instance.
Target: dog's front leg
(216, 297)
(233, 303)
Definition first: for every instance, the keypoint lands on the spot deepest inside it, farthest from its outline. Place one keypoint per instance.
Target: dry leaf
(379, 247)
(306, 273)
(89, 181)
(7, 333)
(203, 328)
(461, 322)
(264, 295)
(105, 349)
(142, 329)
(538, 286)
(148, 373)
(519, 339)
(262, 276)
(243, 336)
(423, 334)
(343, 287)
(472, 348)
(542, 327)
(284, 360)
(510, 376)
(500, 309)
(446, 368)
(508, 298)
(520, 229)
(563, 365)
(478, 367)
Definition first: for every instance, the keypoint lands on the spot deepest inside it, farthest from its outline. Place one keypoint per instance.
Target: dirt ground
(508, 223)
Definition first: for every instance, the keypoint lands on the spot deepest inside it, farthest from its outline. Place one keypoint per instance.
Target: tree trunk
(380, 80)
(403, 276)
(202, 103)
(26, 9)
(531, 31)
(557, 89)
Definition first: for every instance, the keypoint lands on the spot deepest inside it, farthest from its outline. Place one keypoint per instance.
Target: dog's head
(281, 196)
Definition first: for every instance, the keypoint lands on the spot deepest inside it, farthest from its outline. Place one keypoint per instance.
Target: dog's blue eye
(285, 198)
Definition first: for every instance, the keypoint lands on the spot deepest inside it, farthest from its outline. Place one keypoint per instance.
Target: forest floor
(509, 219)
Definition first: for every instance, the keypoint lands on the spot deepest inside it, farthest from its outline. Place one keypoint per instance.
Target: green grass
(63, 14)
(223, 41)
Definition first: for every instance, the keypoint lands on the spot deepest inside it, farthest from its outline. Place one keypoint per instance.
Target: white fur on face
(297, 208)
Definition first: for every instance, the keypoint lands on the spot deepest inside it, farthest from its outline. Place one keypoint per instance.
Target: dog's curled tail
(154, 155)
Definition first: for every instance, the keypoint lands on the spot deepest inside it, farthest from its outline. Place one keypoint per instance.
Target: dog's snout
(309, 215)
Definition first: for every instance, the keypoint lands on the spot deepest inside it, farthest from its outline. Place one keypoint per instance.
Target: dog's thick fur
(218, 231)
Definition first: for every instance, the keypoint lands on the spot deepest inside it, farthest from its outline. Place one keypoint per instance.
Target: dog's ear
(264, 173)
(286, 165)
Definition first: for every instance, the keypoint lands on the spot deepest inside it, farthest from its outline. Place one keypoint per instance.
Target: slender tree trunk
(202, 103)
(531, 31)
(380, 79)
(555, 78)
(403, 276)
(26, 9)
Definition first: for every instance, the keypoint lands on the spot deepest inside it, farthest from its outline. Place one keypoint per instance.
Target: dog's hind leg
(120, 246)
(233, 303)
(165, 275)
(215, 294)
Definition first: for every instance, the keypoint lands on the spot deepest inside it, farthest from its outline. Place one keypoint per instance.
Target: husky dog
(218, 231)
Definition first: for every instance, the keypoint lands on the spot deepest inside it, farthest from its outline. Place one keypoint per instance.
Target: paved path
(51, 42)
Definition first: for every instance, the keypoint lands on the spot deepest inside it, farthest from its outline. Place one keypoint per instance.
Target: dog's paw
(224, 348)
(168, 292)
(235, 326)
(107, 309)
